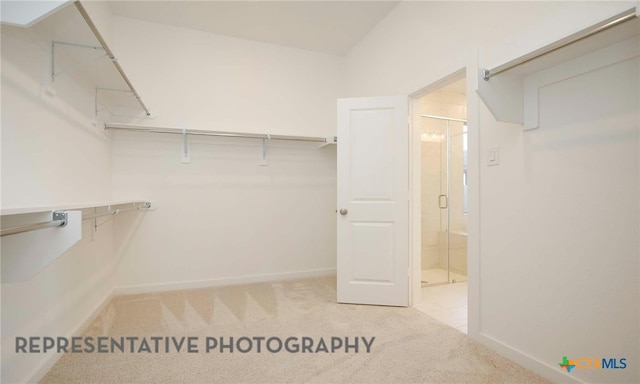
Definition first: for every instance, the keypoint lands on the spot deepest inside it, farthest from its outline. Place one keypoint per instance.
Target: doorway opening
(440, 164)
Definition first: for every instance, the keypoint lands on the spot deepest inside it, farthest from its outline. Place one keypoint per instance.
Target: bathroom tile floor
(438, 275)
(446, 303)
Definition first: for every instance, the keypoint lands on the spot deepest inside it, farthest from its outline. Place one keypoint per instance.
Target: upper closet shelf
(511, 90)
(201, 132)
(79, 49)
(110, 55)
(186, 148)
(34, 237)
(70, 207)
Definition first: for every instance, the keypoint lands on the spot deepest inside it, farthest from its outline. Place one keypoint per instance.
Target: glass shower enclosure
(444, 200)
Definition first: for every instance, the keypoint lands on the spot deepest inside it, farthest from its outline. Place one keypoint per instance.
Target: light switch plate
(493, 156)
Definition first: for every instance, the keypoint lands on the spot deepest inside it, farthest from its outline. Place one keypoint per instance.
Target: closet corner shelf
(67, 207)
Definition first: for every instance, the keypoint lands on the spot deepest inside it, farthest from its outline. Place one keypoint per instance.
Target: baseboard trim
(46, 365)
(550, 372)
(195, 284)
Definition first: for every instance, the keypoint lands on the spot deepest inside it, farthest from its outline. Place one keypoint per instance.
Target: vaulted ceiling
(332, 27)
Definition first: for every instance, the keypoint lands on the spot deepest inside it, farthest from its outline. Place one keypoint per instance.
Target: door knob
(344, 211)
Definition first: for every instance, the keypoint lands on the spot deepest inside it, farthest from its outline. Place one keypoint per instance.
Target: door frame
(415, 180)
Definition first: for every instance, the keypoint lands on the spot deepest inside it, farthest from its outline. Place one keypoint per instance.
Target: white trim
(194, 284)
(45, 366)
(453, 77)
(474, 174)
(550, 372)
(415, 203)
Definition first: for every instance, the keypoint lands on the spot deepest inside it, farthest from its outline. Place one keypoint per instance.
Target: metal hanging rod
(59, 220)
(604, 25)
(113, 212)
(109, 53)
(444, 118)
(177, 131)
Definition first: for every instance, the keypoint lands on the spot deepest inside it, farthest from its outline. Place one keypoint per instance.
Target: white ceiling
(332, 27)
(26, 13)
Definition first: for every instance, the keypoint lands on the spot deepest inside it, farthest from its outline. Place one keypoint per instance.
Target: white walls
(538, 285)
(44, 138)
(223, 217)
(102, 16)
(560, 220)
(220, 219)
(199, 80)
(51, 155)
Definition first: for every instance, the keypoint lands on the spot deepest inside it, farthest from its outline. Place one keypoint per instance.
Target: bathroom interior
(443, 138)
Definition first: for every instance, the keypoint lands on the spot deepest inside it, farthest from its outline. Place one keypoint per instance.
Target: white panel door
(373, 205)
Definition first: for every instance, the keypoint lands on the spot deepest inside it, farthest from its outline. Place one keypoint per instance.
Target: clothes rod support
(186, 153)
(60, 219)
(602, 26)
(110, 54)
(97, 93)
(113, 212)
(264, 161)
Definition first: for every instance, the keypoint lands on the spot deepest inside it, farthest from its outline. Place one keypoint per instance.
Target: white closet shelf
(185, 133)
(78, 49)
(202, 132)
(67, 207)
(28, 246)
(510, 91)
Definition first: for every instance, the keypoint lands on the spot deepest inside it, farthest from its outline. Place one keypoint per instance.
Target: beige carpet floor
(409, 346)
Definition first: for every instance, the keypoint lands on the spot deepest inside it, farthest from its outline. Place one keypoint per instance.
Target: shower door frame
(448, 135)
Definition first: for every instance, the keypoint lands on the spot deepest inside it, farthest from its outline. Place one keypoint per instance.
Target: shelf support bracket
(96, 102)
(329, 140)
(81, 64)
